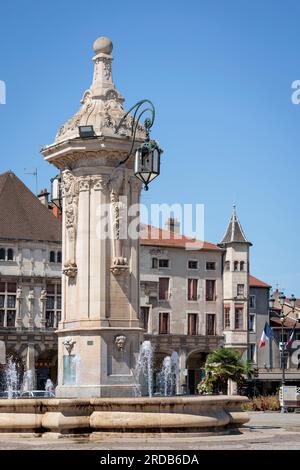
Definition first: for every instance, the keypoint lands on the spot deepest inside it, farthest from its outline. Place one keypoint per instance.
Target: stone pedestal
(99, 334)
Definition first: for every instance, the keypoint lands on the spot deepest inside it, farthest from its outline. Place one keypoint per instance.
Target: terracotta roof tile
(254, 282)
(150, 235)
(22, 216)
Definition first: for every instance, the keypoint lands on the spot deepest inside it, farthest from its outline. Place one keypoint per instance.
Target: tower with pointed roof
(99, 335)
(235, 284)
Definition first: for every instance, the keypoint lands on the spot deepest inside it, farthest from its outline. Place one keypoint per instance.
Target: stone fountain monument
(99, 334)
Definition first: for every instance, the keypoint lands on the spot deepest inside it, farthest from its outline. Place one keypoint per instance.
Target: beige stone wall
(178, 272)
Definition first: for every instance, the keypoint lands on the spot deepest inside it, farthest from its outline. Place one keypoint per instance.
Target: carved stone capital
(119, 266)
(84, 183)
(99, 183)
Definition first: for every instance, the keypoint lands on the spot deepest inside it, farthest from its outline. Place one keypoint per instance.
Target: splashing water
(169, 375)
(11, 377)
(144, 369)
(28, 383)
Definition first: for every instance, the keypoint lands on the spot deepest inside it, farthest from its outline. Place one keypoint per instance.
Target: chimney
(172, 225)
(43, 196)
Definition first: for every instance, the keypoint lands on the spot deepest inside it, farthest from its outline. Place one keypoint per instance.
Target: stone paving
(264, 431)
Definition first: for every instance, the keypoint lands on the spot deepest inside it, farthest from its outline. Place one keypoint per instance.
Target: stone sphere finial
(103, 45)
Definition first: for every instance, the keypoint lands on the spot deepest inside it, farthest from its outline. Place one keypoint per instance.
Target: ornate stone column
(100, 308)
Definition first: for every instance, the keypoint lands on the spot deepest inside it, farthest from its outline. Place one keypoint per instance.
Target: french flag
(266, 334)
(290, 340)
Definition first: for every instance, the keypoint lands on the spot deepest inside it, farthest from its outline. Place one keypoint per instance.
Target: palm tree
(224, 364)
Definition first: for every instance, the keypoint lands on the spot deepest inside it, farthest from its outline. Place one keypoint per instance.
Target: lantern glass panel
(55, 189)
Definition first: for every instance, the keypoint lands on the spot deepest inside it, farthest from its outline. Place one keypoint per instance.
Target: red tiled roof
(150, 235)
(254, 282)
(22, 216)
(288, 322)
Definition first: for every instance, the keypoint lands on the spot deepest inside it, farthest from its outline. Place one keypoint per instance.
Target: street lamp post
(282, 344)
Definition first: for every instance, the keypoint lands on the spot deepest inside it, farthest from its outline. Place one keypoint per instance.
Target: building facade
(30, 281)
(194, 296)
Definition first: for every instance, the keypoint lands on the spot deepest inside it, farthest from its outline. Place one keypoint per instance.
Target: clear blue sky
(219, 73)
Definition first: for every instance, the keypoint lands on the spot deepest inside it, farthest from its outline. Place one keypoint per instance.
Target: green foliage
(268, 403)
(221, 365)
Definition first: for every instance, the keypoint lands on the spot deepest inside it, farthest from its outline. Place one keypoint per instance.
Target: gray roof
(234, 232)
(22, 215)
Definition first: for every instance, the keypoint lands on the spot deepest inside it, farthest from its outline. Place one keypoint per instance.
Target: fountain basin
(87, 416)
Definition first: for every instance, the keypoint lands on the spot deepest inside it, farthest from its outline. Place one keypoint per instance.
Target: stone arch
(194, 363)
(46, 367)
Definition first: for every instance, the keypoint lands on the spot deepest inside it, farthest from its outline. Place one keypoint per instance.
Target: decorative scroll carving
(70, 190)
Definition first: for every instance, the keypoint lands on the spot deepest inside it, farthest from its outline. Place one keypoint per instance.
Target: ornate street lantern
(282, 299)
(147, 155)
(271, 302)
(293, 301)
(147, 162)
(56, 191)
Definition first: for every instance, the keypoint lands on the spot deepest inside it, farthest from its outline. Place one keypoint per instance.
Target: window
(2, 254)
(252, 302)
(52, 257)
(192, 289)
(154, 263)
(210, 324)
(227, 318)
(192, 264)
(227, 266)
(59, 256)
(236, 266)
(210, 290)
(238, 318)
(163, 288)
(192, 324)
(163, 263)
(252, 352)
(240, 289)
(53, 305)
(10, 254)
(11, 318)
(8, 292)
(242, 266)
(210, 266)
(164, 323)
(145, 317)
(252, 322)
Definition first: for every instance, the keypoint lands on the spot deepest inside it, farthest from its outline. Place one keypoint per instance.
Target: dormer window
(52, 257)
